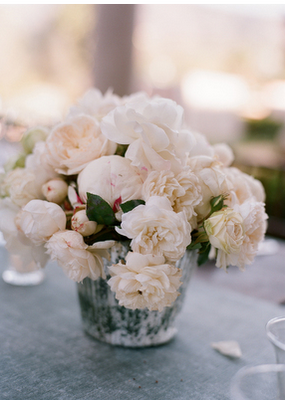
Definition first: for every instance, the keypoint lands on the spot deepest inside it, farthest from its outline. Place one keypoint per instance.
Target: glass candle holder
(275, 330)
(21, 273)
(262, 382)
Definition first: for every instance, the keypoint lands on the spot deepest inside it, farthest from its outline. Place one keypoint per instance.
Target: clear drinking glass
(275, 330)
(20, 273)
(262, 382)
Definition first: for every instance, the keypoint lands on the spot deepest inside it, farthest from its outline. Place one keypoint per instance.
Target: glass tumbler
(275, 330)
(262, 382)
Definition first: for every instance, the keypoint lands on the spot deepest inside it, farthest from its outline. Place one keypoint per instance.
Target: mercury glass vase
(104, 319)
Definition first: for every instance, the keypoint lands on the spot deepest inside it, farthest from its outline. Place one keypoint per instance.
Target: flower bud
(81, 224)
(55, 190)
(17, 161)
(32, 136)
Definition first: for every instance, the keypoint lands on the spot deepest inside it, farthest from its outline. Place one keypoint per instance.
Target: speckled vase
(104, 319)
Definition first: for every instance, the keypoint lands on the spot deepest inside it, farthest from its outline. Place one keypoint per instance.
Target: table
(45, 354)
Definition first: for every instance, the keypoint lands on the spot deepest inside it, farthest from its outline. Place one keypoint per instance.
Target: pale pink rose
(156, 229)
(244, 187)
(75, 143)
(40, 219)
(112, 178)
(224, 153)
(145, 281)
(76, 258)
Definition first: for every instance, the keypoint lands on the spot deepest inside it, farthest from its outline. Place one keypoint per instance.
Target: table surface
(46, 355)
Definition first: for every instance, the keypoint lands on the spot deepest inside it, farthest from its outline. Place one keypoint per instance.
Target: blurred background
(224, 64)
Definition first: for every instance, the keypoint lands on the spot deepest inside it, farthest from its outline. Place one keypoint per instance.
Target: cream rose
(20, 186)
(81, 224)
(40, 219)
(156, 229)
(182, 190)
(76, 258)
(212, 180)
(112, 178)
(145, 281)
(254, 227)
(73, 144)
(225, 230)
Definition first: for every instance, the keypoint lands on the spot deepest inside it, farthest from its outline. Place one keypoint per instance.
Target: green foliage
(121, 150)
(217, 203)
(204, 253)
(100, 211)
(130, 205)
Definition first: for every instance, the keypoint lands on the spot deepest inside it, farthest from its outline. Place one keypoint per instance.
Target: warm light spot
(162, 71)
(214, 90)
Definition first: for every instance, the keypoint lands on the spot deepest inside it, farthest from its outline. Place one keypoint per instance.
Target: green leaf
(107, 233)
(194, 246)
(121, 149)
(130, 205)
(99, 210)
(217, 203)
(204, 253)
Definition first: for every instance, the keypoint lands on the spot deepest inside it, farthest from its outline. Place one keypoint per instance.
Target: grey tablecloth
(45, 354)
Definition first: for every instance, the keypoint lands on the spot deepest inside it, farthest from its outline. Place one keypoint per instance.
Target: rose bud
(55, 190)
(81, 224)
(32, 136)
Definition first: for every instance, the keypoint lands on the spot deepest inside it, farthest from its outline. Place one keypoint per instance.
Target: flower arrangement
(128, 168)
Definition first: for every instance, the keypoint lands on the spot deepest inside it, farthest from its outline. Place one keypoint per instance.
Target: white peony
(40, 219)
(156, 229)
(225, 230)
(95, 104)
(112, 178)
(153, 128)
(19, 185)
(55, 190)
(73, 144)
(254, 227)
(76, 258)
(81, 224)
(145, 281)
